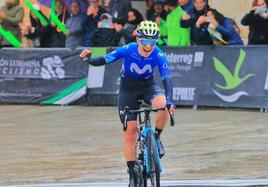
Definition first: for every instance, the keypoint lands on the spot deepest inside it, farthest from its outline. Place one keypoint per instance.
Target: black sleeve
(129, 36)
(96, 61)
(168, 88)
(247, 19)
(88, 19)
(186, 23)
(95, 37)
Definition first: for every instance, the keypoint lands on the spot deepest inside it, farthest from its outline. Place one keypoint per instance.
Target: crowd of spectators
(113, 23)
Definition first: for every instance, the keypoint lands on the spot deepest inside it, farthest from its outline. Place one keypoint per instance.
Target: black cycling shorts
(133, 91)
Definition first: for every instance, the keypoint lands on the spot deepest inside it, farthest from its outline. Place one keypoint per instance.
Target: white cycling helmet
(148, 29)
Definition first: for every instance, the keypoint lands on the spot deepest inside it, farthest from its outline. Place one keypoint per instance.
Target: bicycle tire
(157, 176)
(147, 165)
(144, 177)
(153, 170)
(152, 162)
(156, 161)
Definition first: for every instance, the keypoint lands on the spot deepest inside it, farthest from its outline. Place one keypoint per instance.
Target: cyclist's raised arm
(94, 61)
(103, 60)
(116, 54)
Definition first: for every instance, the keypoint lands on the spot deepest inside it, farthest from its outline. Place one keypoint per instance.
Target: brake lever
(126, 112)
(172, 119)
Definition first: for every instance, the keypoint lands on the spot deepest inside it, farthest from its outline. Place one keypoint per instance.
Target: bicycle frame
(148, 163)
(144, 131)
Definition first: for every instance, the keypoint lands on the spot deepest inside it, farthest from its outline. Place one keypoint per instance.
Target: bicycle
(148, 165)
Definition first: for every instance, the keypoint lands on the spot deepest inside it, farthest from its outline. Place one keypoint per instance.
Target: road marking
(164, 183)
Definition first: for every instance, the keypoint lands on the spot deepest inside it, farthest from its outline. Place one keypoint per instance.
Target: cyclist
(137, 83)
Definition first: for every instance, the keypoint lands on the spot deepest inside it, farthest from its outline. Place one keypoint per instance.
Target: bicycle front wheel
(153, 161)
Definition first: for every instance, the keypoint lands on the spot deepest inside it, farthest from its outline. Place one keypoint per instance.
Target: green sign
(232, 80)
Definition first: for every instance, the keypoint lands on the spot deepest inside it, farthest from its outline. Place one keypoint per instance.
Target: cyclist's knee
(131, 133)
(161, 119)
(131, 127)
(159, 101)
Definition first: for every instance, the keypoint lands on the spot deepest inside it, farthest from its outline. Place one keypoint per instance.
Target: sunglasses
(151, 42)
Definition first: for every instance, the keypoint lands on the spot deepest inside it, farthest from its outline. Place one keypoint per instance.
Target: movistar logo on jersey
(232, 80)
(134, 68)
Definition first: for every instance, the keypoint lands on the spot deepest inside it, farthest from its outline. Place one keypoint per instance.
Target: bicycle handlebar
(144, 110)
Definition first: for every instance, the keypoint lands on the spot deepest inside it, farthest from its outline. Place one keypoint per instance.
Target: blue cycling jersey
(138, 67)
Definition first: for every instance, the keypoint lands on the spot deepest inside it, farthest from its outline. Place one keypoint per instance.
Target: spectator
(89, 24)
(105, 35)
(126, 33)
(11, 14)
(223, 26)
(200, 34)
(158, 14)
(156, 11)
(33, 31)
(105, 5)
(74, 25)
(187, 6)
(176, 35)
(53, 36)
(149, 4)
(257, 20)
(119, 10)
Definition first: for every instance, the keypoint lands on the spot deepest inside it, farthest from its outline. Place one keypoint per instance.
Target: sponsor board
(181, 62)
(46, 68)
(232, 80)
(41, 76)
(219, 76)
(183, 94)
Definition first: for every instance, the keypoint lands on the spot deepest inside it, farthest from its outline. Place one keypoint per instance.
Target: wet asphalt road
(84, 144)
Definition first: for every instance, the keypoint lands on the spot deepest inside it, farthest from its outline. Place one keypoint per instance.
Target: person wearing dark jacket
(156, 11)
(126, 32)
(33, 31)
(119, 10)
(89, 24)
(105, 35)
(199, 34)
(53, 36)
(257, 21)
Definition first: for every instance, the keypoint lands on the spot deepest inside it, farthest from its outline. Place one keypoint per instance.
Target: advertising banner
(219, 76)
(204, 76)
(41, 76)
